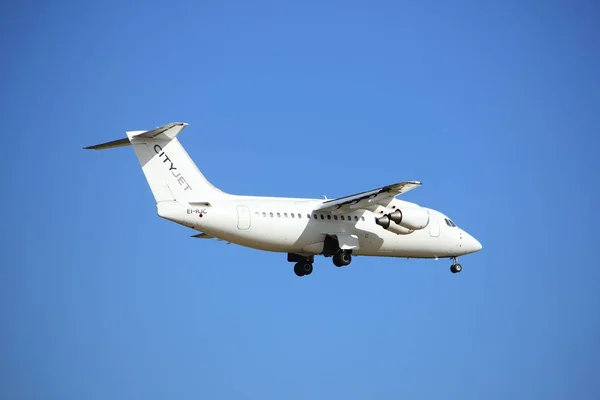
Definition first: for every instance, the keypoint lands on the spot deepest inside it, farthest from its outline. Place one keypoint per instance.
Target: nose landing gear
(456, 267)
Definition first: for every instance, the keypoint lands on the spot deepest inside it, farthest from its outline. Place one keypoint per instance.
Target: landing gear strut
(342, 259)
(456, 267)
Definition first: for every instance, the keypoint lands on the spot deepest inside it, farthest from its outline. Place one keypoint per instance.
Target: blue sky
(493, 105)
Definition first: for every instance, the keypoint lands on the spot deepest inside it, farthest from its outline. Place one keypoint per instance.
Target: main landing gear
(456, 267)
(342, 258)
(303, 266)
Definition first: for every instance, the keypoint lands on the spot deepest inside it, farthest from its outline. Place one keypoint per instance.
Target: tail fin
(169, 170)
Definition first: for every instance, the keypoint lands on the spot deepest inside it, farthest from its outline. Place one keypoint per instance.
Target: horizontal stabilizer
(165, 132)
(110, 145)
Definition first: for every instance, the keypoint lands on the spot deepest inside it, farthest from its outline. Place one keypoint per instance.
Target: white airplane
(372, 223)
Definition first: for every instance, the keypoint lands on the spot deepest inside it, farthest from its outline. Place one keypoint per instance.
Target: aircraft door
(434, 225)
(243, 218)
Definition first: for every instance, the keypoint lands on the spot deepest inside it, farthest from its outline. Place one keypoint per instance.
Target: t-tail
(171, 174)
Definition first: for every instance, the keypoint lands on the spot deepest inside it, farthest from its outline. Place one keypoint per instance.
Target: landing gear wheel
(342, 259)
(455, 268)
(297, 270)
(303, 268)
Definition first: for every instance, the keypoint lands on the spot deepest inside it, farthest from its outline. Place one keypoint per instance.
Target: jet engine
(412, 218)
(404, 221)
(386, 223)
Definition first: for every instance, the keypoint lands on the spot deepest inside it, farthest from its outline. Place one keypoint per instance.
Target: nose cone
(472, 245)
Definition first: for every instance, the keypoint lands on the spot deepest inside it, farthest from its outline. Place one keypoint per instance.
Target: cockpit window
(450, 223)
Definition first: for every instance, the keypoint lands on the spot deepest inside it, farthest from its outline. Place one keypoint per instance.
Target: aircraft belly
(388, 244)
(272, 238)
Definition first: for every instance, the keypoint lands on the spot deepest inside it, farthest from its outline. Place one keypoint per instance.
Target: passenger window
(322, 216)
(271, 214)
(363, 218)
(342, 217)
(355, 218)
(315, 215)
(292, 215)
(256, 213)
(308, 216)
(335, 217)
(328, 216)
(299, 215)
(264, 214)
(284, 215)
(278, 215)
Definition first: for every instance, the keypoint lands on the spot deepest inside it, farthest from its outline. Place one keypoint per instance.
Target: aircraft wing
(207, 236)
(381, 196)
(203, 236)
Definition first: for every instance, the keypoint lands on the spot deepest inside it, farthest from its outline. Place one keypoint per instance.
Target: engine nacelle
(411, 218)
(386, 223)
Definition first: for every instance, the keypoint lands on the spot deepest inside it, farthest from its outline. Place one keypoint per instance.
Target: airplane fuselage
(291, 225)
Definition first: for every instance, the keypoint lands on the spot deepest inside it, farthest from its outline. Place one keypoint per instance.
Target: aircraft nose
(476, 245)
(473, 244)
